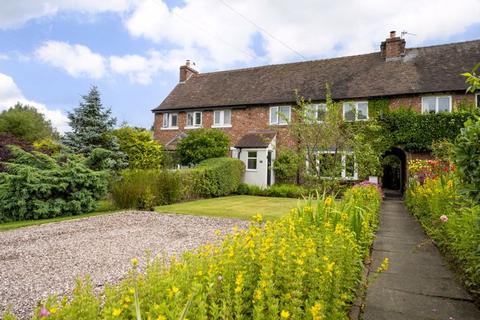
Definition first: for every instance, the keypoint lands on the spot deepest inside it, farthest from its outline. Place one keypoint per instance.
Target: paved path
(418, 283)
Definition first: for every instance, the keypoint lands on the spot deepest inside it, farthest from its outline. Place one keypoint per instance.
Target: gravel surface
(39, 260)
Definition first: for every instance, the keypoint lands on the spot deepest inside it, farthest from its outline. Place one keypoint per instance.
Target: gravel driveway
(38, 260)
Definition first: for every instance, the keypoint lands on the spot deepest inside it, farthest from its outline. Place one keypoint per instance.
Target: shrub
(452, 220)
(211, 178)
(36, 186)
(142, 151)
(276, 190)
(137, 188)
(306, 265)
(286, 166)
(202, 144)
(6, 140)
(467, 157)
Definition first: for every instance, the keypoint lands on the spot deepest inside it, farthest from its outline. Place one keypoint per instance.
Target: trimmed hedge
(307, 265)
(416, 132)
(144, 189)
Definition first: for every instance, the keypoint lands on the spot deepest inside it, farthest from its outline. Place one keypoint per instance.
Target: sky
(52, 52)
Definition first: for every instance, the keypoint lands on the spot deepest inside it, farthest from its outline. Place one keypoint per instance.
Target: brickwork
(248, 119)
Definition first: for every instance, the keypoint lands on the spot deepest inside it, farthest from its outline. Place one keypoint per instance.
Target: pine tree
(92, 126)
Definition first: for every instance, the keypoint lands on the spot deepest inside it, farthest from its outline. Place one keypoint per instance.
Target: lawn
(243, 207)
(103, 206)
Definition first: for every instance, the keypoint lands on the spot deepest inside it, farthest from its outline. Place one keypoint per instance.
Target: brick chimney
(186, 71)
(392, 48)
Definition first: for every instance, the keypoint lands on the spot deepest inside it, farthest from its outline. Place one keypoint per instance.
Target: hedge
(145, 189)
(306, 265)
(416, 132)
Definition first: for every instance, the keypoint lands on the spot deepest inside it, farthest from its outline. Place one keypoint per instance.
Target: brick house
(246, 103)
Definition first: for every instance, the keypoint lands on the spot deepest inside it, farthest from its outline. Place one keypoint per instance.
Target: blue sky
(51, 52)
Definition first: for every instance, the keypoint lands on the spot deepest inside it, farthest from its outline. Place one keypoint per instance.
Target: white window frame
(477, 100)
(222, 123)
(314, 107)
(194, 117)
(167, 121)
(436, 103)
(343, 175)
(279, 121)
(354, 104)
(251, 158)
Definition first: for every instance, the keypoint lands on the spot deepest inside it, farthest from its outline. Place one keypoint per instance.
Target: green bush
(416, 132)
(146, 188)
(276, 190)
(211, 178)
(467, 157)
(36, 186)
(307, 265)
(202, 144)
(286, 166)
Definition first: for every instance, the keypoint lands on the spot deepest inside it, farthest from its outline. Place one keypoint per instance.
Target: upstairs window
(280, 115)
(355, 110)
(252, 160)
(222, 118)
(194, 119)
(170, 120)
(436, 104)
(317, 112)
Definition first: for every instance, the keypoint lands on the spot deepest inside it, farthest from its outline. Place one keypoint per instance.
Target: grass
(104, 206)
(243, 207)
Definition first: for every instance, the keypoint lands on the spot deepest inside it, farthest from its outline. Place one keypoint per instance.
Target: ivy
(378, 107)
(416, 132)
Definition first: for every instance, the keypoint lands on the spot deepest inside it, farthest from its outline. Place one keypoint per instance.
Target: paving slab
(418, 283)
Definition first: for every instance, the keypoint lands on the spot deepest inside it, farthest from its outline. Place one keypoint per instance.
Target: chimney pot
(392, 34)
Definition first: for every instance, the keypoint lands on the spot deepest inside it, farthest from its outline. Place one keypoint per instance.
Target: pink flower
(44, 312)
(443, 218)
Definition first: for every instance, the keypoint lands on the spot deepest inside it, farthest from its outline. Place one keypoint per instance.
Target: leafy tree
(142, 151)
(92, 127)
(26, 123)
(202, 144)
(333, 148)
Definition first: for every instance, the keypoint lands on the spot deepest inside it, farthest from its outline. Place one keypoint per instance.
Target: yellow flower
(160, 317)
(328, 201)
(285, 314)
(116, 312)
(316, 310)
(383, 266)
(258, 218)
(135, 262)
(53, 310)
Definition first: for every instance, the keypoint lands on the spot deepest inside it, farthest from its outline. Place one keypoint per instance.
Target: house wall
(246, 119)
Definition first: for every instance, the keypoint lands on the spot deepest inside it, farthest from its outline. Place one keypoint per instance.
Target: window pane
(252, 154)
(189, 119)
(311, 112)
(362, 111)
(227, 117)
(443, 104)
(322, 111)
(274, 115)
(348, 112)
(429, 104)
(216, 117)
(174, 118)
(252, 164)
(165, 120)
(198, 118)
(285, 114)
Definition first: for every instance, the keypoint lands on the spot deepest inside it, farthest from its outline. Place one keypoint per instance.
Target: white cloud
(77, 60)
(4, 56)
(15, 13)
(314, 28)
(139, 69)
(10, 94)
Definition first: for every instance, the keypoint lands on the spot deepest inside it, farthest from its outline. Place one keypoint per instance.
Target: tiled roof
(256, 139)
(421, 70)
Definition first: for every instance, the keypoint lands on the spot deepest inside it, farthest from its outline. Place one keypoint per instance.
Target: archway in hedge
(395, 169)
